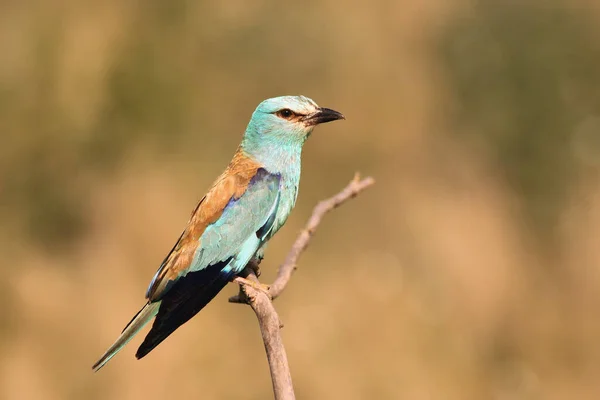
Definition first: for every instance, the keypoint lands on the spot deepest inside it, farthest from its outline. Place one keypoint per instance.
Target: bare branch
(259, 296)
(289, 265)
(270, 326)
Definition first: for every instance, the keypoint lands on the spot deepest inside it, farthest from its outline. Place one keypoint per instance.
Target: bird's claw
(255, 267)
(254, 264)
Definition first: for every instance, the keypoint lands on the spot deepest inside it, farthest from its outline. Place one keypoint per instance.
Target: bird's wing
(225, 230)
(224, 248)
(239, 204)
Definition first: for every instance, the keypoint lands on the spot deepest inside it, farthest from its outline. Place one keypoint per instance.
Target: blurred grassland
(470, 271)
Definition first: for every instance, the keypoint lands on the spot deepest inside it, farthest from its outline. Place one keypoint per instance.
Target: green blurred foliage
(525, 76)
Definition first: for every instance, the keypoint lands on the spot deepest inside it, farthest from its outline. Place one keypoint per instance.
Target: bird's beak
(323, 115)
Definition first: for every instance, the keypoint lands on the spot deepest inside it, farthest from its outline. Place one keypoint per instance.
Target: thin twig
(260, 297)
(289, 265)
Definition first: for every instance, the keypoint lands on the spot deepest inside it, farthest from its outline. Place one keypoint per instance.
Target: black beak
(323, 115)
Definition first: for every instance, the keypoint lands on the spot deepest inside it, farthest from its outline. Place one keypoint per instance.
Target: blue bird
(244, 208)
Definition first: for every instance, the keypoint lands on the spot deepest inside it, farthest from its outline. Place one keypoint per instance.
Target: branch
(290, 264)
(260, 297)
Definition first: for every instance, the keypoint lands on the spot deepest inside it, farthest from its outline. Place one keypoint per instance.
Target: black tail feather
(185, 299)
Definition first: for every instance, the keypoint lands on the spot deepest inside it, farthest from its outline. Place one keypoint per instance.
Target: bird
(245, 206)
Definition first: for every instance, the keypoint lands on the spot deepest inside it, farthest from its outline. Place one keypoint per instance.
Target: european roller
(244, 208)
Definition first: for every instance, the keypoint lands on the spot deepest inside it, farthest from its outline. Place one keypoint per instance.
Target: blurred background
(470, 271)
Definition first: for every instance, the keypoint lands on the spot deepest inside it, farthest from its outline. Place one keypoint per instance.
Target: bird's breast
(289, 192)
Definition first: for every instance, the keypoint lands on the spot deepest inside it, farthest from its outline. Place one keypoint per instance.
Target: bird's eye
(286, 113)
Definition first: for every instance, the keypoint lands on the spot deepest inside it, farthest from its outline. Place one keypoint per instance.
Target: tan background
(471, 270)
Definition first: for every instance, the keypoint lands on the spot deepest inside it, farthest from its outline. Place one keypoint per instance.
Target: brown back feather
(232, 183)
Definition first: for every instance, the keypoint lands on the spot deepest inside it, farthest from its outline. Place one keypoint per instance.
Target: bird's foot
(254, 266)
(255, 285)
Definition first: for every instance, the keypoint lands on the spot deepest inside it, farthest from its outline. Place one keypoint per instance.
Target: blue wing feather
(240, 221)
(254, 211)
(226, 246)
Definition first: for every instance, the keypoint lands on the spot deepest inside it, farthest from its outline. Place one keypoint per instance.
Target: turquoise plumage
(244, 208)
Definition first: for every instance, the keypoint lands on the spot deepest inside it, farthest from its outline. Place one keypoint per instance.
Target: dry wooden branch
(289, 265)
(260, 297)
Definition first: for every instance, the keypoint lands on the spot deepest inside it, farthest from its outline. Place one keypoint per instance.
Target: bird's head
(284, 122)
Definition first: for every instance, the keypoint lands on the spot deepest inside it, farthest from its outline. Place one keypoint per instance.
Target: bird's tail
(138, 322)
